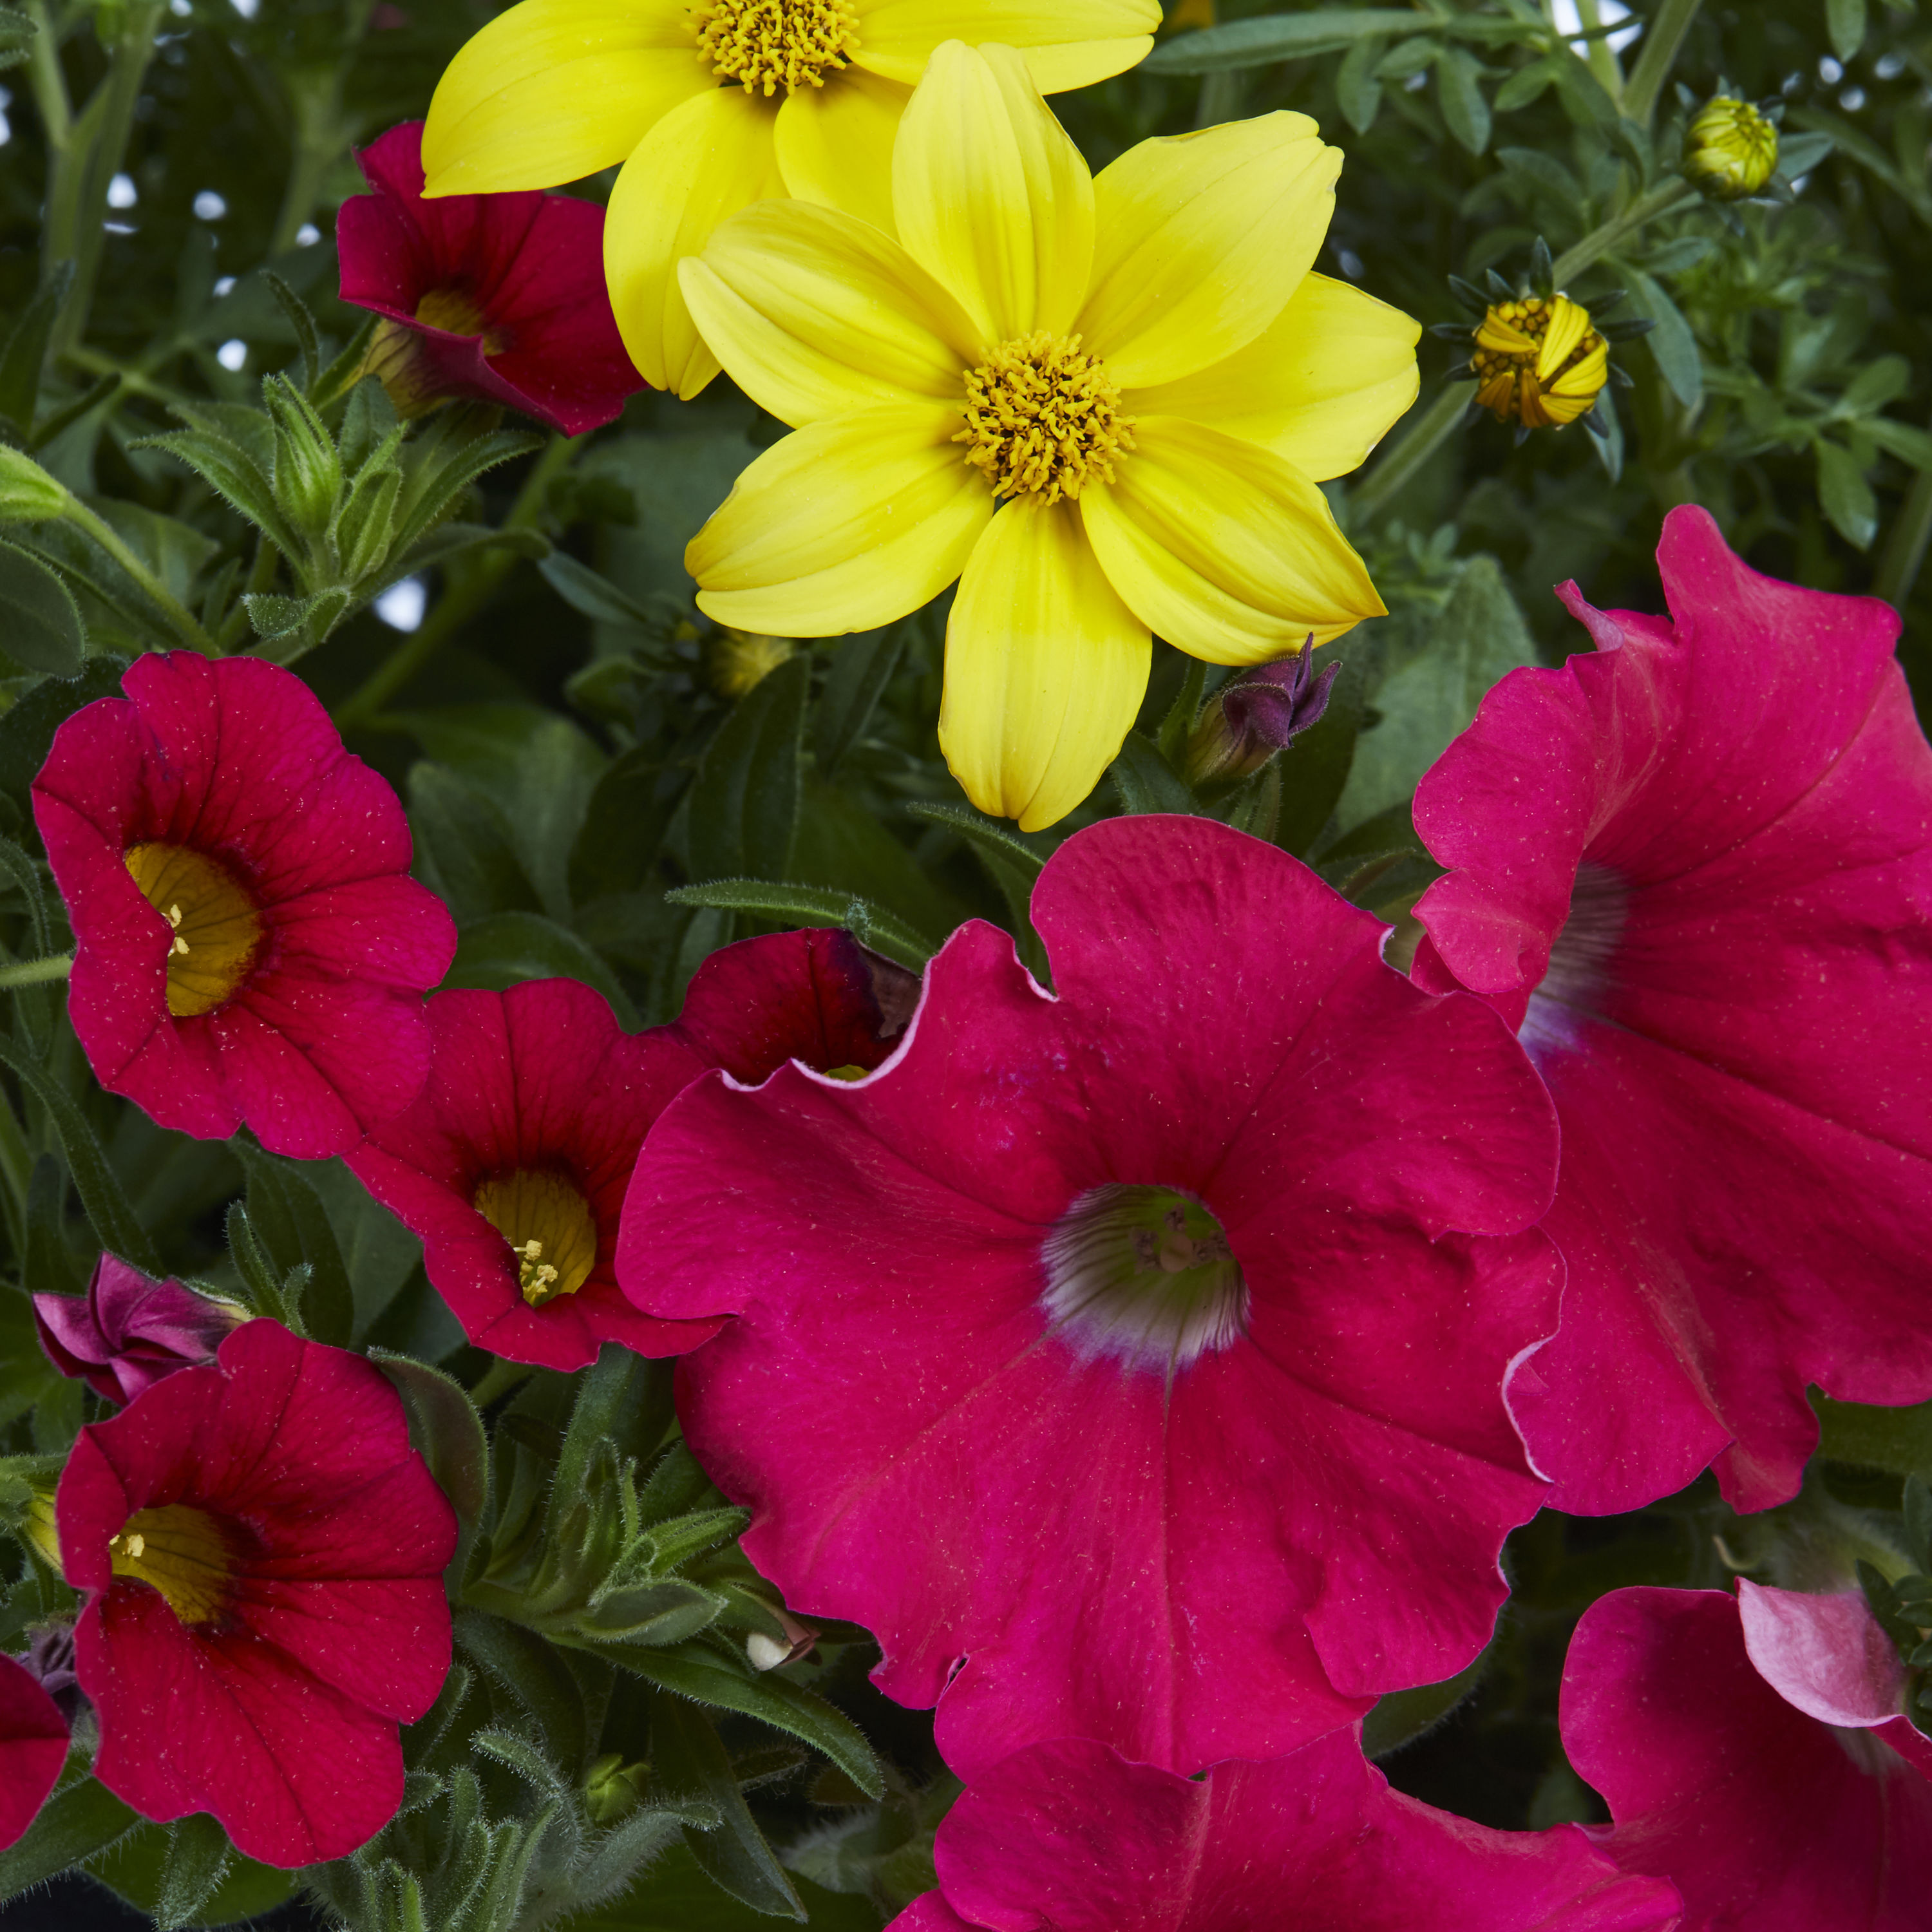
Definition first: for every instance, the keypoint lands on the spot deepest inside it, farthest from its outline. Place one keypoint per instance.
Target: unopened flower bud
(767, 1653)
(1730, 150)
(130, 1331)
(1259, 713)
(28, 494)
(612, 1788)
(739, 661)
(307, 474)
(1540, 361)
(48, 1660)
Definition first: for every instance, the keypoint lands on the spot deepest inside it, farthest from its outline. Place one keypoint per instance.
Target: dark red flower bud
(130, 1331)
(1256, 715)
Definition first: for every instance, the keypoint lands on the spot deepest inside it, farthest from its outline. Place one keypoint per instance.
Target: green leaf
(862, 667)
(1459, 88)
(843, 846)
(464, 838)
(234, 475)
(27, 730)
(1882, 380)
(1275, 37)
(623, 828)
(675, 1895)
(623, 1401)
(510, 947)
(40, 621)
(379, 1252)
(444, 466)
(1917, 1503)
(74, 1824)
(1525, 86)
(534, 1674)
(676, 482)
(25, 353)
(583, 589)
(1672, 345)
(1146, 782)
(1014, 868)
(197, 1860)
(813, 905)
(445, 1426)
(133, 1866)
(1898, 1440)
(274, 616)
(1798, 153)
(1403, 1716)
(1358, 91)
(1845, 21)
(1844, 495)
(293, 1225)
(744, 802)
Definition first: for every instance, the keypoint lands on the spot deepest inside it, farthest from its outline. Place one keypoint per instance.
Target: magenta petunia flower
(1136, 1352)
(512, 1166)
(33, 1747)
(1696, 866)
(1749, 1749)
(1069, 1835)
(499, 297)
(251, 947)
(130, 1331)
(262, 1556)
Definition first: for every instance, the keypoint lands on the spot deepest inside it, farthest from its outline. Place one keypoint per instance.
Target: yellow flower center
(452, 310)
(217, 928)
(765, 45)
(183, 1552)
(1043, 419)
(1540, 361)
(549, 1226)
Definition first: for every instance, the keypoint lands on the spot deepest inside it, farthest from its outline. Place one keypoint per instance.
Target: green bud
(308, 472)
(612, 1788)
(28, 494)
(1730, 150)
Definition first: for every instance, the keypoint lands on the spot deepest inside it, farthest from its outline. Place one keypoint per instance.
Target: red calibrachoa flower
(251, 947)
(1069, 1835)
(1173, 1311)
(1751, 1750)
(512, 1166)
(499, 297)
(130, 1331)
(1696, 865)
(262, 1556)
(33, 1747)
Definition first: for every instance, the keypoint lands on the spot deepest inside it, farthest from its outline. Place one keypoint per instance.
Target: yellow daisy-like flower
(713, 104)
(1103, 404)
(1539, 361)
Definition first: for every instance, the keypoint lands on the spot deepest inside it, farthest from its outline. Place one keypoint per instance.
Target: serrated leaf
(40, 621)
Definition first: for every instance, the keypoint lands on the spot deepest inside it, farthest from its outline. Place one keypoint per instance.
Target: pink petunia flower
(33, 1747)
(1136, 1352)
(499, 297)
(512, 1166)
(1069, 1835)
(251, 947)
(130, 1331)
(1696, 865)
(262, 1556)
(1751, 1750)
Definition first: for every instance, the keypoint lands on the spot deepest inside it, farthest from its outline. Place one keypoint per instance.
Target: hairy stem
(36, 972)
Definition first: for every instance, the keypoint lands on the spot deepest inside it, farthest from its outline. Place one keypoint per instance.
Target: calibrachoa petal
(1697, 1728)
(250, 947)
(33, 1747)
(131, 1330)
(261, 1554)
(1070, 1836)
(1173, 1311)
(1103, 404)
(512, 1166)
(499, 297)
(714, 106)
(1696, 866)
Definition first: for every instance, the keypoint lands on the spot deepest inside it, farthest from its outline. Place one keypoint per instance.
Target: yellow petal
(1067, 43)
(1044, 668)
(1319, 386)
(1587, 377)
(835, 143)
(1199, 241)
(990, 194)
(1222, 548)
(1504, 337)
(554, 90)
(700, 165)
(1569, 323)
(843, 525)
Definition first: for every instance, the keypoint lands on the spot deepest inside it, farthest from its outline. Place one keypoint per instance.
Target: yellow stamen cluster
(1043, 419)
(549, 1226)
(1539, 361)
(217, 930)
(183, 1552)
(765, 45)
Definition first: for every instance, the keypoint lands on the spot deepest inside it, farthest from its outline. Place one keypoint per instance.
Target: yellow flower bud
(1538, 362)
(1730, 150)
(739, 660)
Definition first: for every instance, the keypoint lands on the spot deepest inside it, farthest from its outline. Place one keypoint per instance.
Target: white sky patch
(307, 235)
(233, 355)
(209, 206)
(1568, 22)
(121, 192)
(402, 605)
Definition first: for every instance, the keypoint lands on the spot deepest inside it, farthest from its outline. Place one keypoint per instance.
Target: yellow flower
(1539, 361)
(1106, 402)
(1730, 150)
(713, 104)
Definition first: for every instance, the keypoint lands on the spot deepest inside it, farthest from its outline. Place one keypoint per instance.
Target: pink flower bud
(130, 1331)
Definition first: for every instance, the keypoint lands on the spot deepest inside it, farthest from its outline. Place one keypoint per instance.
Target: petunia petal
(835, 143)
(697, 167)
(1319, 386)
(844, 525)
(1222, 548)
(1066, 43)
(1200, 240)
(816, 314)
(990, 194)
(553, 90)
(1044, 668)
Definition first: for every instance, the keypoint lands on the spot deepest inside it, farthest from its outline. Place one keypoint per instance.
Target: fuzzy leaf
(744, 802)
(40, 621)
(814, 905)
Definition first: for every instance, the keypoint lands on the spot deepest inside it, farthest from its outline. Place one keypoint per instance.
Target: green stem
(36, 972)
(16, 1168)
(461, 600)
(1658, 55)
(1602, 56)
(1666, 196)
(1412, 449)
(498, 1379)
(181, 620)
(321, 132)
(1905, 546)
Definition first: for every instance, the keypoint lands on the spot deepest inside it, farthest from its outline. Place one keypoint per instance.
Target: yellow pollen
(1043, 419)
(217, 930)
(765, 45)
(183, 1553)
(549, 1226)
(1538, 361)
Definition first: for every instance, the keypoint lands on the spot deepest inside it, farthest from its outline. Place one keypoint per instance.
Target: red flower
(250, 945)
(262, 1554)
(511, 1167)
(33, 1747)
(499, 297)
(130, 1331)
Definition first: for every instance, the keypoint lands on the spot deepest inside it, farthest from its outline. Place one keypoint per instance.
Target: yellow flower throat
(765, 45)
(182, 1552)
(1043, 419)
(218, 931)
(549, 1226)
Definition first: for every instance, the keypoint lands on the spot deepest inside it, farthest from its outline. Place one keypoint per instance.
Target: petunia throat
(1043, 419)
(183, 1553)
(549, 1226)
(217, 930)
(1144, 1275)
(1582, 954)
(765, 45)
